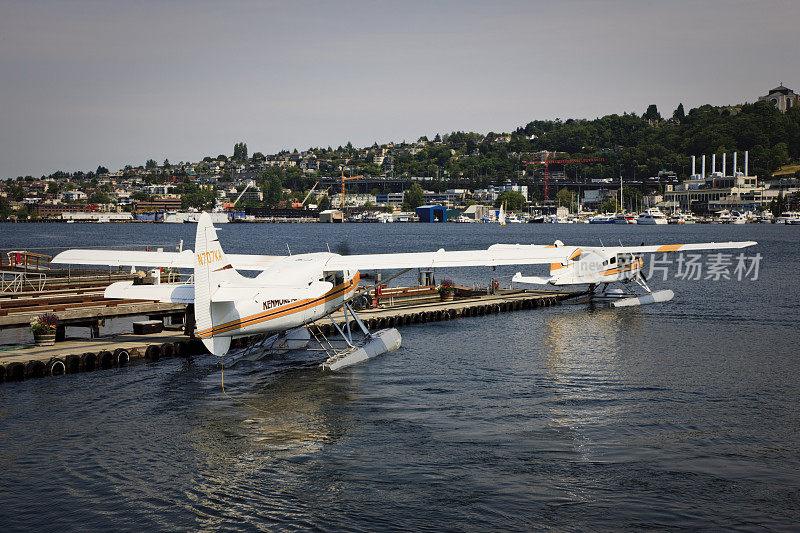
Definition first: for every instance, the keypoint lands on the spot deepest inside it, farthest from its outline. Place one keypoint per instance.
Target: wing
(495, 255)
(658, 248)
(184, 259)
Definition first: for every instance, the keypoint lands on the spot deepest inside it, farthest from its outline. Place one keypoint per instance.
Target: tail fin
(211, 270)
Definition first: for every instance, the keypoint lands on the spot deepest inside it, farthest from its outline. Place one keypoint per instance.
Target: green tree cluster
(513, 200)
(240, 152)
(413, 197)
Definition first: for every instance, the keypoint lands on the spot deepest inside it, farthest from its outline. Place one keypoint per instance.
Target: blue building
(432, 213)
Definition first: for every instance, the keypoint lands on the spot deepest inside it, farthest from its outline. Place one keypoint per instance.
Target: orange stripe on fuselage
(289, 309)
(669, 248)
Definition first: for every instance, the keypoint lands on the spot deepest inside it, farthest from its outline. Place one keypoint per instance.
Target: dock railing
(15, 281)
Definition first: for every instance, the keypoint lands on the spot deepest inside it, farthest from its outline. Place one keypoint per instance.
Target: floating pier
(421, 311)
(407, 306)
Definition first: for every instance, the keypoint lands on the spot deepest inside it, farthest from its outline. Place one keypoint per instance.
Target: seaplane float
(293, 291)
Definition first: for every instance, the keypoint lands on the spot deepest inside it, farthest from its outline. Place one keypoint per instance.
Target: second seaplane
(613, 273)
(291, 292)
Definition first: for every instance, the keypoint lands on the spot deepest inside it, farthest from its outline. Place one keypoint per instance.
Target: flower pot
(447, 295)
(44, 339)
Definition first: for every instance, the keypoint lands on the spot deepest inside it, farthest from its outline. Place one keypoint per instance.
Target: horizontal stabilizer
(533, 280)
(168, 293)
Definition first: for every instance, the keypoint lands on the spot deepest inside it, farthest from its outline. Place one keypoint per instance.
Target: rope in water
(222, 382)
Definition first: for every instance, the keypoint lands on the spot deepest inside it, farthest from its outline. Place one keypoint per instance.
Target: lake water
(678, 415)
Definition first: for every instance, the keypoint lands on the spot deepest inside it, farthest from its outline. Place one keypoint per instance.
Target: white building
(71, 196)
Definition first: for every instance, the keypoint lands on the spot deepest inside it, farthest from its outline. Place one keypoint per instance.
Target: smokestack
(704, 166)
(693, 169)
(745, 163)
(734, 162)
(713, 163)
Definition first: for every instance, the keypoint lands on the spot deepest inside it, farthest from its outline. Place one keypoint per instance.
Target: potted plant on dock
(44, 329)
(446, 289)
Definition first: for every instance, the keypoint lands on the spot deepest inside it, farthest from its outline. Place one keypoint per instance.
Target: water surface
(679, 415)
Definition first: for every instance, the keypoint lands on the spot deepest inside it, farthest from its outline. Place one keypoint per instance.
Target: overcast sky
(109, 82)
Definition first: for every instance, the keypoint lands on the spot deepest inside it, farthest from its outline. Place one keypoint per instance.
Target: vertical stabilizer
(211, 270)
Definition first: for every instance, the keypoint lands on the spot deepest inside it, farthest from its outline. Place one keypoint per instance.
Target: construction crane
(343, 179)
(229, 205)
(547, 161)
(309, 193)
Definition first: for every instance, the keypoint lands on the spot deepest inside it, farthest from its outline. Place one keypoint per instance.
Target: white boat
(723, 217)
(501, 216)
(624, 218)
(789, 217)
(651, 217)
(738, 218)
(602, 219)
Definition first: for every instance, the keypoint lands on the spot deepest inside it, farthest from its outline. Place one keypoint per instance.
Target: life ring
(56, 367)
(121, 357)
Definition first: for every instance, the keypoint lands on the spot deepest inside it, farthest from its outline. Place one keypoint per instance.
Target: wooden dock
(81, 355)
(78, 301)
(421, 310)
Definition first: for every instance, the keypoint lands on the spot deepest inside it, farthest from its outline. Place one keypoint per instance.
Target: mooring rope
(222, 382)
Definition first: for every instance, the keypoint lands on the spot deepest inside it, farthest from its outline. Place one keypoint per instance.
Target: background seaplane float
(291, 292)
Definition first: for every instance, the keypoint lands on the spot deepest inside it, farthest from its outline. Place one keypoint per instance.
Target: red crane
(547, 162)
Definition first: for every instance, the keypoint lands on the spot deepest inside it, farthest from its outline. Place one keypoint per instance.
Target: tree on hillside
(515, 201)
(5, 208)
(652, 113)
(566, 198)
(413, 198)
(679, 113)
(151, 164)
(609, 206)
(99, 197)
(240, 151)
(16, 192)
(273, 187)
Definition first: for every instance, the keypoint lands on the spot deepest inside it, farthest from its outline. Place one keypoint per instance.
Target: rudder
(211, 270)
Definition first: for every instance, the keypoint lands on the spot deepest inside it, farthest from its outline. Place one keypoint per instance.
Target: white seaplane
(602, 267)
(289, 293)
(293, 291)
